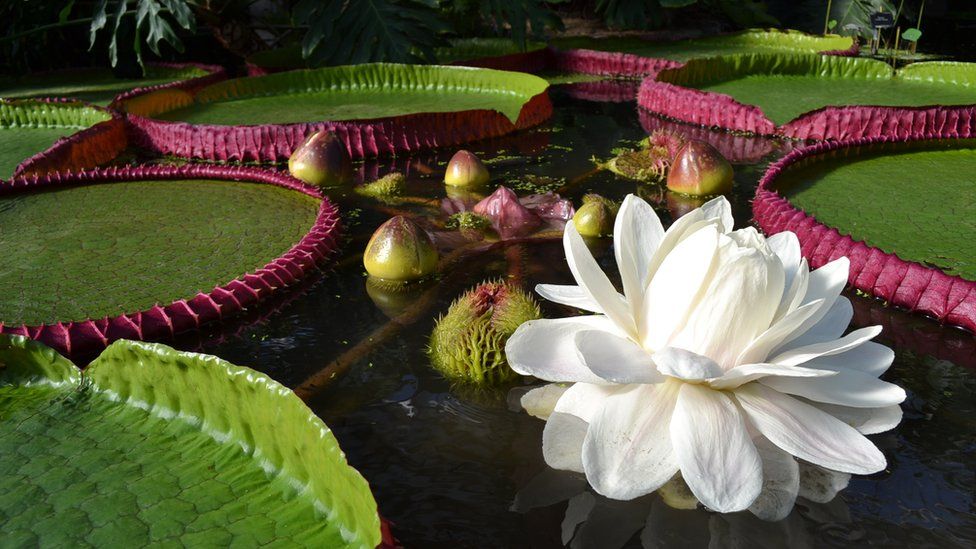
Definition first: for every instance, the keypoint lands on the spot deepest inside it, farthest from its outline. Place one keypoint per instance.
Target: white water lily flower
(723, 359)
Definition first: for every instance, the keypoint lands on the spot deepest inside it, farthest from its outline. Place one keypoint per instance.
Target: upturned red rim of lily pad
(163, 322)
(84, 149)
(921, 288)
(363, 138)
(669, 94)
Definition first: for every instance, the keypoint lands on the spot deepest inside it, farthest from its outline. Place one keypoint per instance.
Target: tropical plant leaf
(151, 24)
(153, 446)
(342, 32)
(630, 14)
(523, 18)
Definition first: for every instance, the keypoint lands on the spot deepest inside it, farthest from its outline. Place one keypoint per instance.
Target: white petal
(682, 364)
(627, 452)
(572, 296)
(786, 246)
(616, 359)
(742, 296)
(718, 460)
(799, 355)
(546, 348)
(781, 482)
(681, 229)
(540, 401)
(869, 357)
(831, 326)
(867, 421)
(562, 442)
(825, 283)
(807, 432)
(594, 281)
(821, 485)
(674, 289)
(758, 350)
(796, 291)
(584, 400)
(740, 375)
(719, 208)
(637, 233)
(847, 388)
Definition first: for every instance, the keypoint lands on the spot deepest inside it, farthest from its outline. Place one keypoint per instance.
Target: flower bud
(468, 342)
(400, 251)
(700, 170)
(465, 170)
(507, 214)
(595, 217)
(321, 160)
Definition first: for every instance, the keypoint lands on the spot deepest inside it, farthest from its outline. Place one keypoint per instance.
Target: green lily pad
(29, 127)
(751, 41)
(94, 85)
(917, 199)
(357, 92)
(108, 249)
(786, 86)
(153, 446)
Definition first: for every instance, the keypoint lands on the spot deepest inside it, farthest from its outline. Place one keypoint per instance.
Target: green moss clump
(387, 187)
(468, 342)
(468, 221)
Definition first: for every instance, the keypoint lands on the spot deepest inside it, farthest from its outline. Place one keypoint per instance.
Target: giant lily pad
(152, 446)
(149, 252)
(30, 127)
(96, 85)
(375, 108)
(750, 41)
(789, 94)
(904, 212)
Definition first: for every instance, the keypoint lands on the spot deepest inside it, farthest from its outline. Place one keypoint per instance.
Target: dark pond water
(446, 466)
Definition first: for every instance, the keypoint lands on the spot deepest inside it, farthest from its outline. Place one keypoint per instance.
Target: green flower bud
(595, 217)
(399, 251)
(465, 170)
(321, 160)
(468, 342)
(700, 170)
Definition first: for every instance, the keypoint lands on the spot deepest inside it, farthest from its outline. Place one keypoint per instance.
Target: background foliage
(123, 33)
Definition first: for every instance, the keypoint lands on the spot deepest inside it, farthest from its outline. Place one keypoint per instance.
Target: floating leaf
(154, 446)
(912, 35)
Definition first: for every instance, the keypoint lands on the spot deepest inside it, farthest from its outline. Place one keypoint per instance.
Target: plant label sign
(882, 20)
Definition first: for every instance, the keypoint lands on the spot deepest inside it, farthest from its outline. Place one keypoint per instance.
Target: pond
(447, 466)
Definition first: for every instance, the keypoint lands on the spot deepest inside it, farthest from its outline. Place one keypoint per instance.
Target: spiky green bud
(468, 342)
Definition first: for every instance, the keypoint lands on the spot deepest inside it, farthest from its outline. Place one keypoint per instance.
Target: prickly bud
(468, 342)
